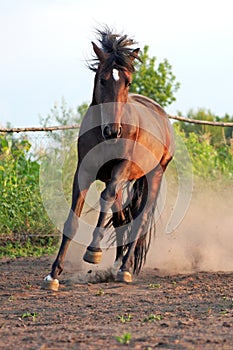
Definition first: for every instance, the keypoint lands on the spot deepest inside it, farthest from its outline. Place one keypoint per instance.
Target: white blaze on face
(115, 74)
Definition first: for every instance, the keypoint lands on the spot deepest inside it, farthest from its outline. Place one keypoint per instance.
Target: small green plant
(34, 315)
(152, 318)
(228, 306)
(124, 339)
(28, 286)
(223, 312)
(154, 285)
(100, 292)
(124, 318)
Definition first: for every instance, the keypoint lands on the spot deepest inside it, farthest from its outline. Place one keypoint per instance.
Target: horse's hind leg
(140, 226)
(118, 222)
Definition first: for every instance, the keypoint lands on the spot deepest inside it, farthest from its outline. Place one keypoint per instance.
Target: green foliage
(210, 147)
(208, 161)
(22, 214)
(158, 83)
(215, 134)
(24, 246)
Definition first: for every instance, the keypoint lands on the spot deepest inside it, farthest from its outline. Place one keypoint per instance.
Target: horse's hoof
(50, 283)
(92, 257)
(124, 276)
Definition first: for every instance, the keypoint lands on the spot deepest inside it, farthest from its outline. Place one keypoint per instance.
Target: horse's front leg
(70, 227)
(108, 200)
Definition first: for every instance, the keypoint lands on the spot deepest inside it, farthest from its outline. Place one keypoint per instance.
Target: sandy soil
(192, 311)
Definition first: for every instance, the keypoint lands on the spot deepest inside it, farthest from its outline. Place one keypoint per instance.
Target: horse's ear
(134, 54)
(99, 53)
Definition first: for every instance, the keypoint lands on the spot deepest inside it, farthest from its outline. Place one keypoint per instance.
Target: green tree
(158, 83)
(229, 129)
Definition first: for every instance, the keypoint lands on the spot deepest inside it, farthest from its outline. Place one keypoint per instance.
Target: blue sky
(44, 44)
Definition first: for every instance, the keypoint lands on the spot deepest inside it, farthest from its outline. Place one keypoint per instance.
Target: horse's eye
(103, 81)
(128, 83)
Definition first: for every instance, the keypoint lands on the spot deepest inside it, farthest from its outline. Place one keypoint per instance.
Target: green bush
(22, 215)
(208, 161)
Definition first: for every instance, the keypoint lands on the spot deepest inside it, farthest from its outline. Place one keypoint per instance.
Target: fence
(77, 126)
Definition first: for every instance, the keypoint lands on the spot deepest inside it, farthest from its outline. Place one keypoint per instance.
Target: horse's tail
(130, 212)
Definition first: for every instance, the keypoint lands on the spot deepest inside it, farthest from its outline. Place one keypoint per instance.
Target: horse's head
(114, 68)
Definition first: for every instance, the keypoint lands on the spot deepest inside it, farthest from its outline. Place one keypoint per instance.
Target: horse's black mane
(117, 47)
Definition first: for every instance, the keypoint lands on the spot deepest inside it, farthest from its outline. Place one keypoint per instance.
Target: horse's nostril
(119, 131)
(107, 132)
(112, 131)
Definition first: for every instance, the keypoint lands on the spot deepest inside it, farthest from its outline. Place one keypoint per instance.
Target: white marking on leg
(115, 74)
(49, 278)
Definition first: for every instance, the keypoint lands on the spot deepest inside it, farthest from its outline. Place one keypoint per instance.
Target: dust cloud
(203, 241)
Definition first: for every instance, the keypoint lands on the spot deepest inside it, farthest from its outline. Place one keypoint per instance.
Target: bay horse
(124, 138)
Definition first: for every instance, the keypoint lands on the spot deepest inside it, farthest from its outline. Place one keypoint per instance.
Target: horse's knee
(71, 225)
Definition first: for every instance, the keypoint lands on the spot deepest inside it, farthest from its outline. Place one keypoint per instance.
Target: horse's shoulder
(147, 102)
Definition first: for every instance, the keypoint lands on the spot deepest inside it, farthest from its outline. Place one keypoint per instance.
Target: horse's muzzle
(112, 131)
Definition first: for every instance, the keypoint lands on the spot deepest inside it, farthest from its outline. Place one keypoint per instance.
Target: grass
(30, 247)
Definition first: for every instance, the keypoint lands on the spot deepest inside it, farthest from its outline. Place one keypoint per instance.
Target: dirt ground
(192, 311)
